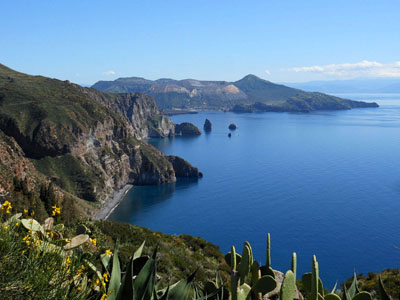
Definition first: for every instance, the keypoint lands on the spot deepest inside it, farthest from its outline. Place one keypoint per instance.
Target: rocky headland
(87, 144)
(183, 168)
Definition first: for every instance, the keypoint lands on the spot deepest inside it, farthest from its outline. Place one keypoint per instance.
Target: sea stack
(229, 134)
(207, 125)
(232, 126)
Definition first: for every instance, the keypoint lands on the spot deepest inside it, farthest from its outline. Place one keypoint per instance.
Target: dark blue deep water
(324, 183)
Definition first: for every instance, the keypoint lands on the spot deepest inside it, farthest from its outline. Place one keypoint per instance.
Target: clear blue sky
(85, 41)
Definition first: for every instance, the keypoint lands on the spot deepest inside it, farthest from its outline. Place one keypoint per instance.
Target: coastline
(112, 203)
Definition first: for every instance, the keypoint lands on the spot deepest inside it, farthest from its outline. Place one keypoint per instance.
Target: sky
(278, 40)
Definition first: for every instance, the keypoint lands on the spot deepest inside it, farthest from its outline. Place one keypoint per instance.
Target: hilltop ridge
(202, 94)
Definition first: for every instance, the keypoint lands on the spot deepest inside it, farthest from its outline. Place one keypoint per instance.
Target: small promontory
(183, 168)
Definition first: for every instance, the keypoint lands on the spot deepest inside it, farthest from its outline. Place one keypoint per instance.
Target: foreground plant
(38, 262)
(249, 280)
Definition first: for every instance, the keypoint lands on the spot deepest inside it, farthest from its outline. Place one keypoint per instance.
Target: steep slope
(84, 141)
(189, 93)
(259, 90)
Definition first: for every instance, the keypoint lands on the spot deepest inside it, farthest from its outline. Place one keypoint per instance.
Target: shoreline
(111, 203)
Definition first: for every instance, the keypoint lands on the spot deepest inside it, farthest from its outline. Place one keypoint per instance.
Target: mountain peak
(250, 77)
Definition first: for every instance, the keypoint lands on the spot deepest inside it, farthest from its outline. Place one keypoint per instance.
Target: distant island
(249, 94)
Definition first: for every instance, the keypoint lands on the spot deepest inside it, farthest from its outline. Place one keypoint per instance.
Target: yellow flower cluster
(27, 240)
(79, 272)
(93, 241)
(104, 297)
(6, 206)
(108, 252)
(68, 261)
(56, 210)
(103, 280)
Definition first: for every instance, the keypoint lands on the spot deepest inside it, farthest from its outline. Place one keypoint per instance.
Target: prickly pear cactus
(77, 241)
(31, 224)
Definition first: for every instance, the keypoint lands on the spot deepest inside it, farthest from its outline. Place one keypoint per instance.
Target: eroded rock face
(187, 129)
(13, 163)
(183, 168)
(139, 110)
(207, 125)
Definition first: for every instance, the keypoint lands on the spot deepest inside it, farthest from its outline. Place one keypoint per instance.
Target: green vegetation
(44, 114)
(109, 260)
(70, 174)
(54, 261)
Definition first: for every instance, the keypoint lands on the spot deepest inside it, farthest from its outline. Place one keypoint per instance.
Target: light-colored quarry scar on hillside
(231, 89)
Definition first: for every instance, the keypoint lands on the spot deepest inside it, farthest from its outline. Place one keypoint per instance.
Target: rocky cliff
(139, 110)
(86, 142)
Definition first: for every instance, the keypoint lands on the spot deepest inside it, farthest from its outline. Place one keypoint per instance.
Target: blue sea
(324, 183)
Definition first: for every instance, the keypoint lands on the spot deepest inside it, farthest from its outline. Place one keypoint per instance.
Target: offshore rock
(232, 126)
(183, 168)
(187, 129)
(207, 125)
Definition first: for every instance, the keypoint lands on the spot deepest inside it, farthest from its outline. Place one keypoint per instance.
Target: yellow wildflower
(56, 210)
(108, 252)
(32, 213)
(7, 206)
(103, 297)
(6, 227)
(67, 240)
(25, 211)
(68, 261)
(93, 241)
(105, 277)
(17, 224)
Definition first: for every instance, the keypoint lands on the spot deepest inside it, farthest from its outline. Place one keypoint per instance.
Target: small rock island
(232, 126)
(187, 129)
(207, 125)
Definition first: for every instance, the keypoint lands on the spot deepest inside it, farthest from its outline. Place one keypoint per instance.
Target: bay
(324, 183)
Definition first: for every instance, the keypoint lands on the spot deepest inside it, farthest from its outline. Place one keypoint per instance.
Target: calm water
(325, 183)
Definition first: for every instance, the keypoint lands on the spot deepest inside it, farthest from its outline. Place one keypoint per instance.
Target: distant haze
(361, 85)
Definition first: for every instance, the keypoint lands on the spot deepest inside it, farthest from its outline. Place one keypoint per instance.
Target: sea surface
(324, 183)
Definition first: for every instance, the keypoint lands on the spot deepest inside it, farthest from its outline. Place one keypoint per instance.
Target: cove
(324, 183)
